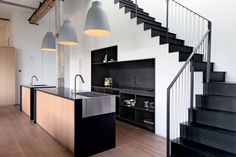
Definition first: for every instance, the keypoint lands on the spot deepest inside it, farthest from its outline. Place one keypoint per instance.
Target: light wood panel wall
(4, 32)
(26, 100)
(7, 76)
(56, 116)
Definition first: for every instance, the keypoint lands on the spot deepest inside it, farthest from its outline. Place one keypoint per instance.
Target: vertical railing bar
(209, 52)
(167, 20)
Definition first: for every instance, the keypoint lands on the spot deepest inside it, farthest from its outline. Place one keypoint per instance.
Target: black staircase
(208, 126)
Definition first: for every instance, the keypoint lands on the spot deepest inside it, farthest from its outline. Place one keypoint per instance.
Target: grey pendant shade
(97, 23)
(49, 42)
(67, 34)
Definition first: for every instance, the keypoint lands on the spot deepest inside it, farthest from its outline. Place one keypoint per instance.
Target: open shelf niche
(132, 81)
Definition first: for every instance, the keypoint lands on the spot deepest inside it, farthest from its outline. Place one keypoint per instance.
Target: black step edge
(214, 137)
(216, 102)
(197, 149)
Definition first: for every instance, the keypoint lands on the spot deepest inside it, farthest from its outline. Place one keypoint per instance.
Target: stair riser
(163, 40)
(209, 138)
(215, 77)
(184, 56)
(159, 28)
(142, 20)
(192, 149)
(133, 10)
(133, 15)
(219, 119)
(179, 151)
(176, 48)
(122, 5)
(220, 103)
(220, 89)
(198, 66)
(128, 1)
(159, 33)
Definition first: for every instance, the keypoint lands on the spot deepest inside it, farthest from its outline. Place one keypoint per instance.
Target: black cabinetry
(133, 84)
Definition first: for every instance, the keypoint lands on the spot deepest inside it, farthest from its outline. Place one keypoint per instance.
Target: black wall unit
(98, 55)
(129, 74)
(131, 80)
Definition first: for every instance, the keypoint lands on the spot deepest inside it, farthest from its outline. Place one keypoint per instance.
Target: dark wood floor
(21, 138)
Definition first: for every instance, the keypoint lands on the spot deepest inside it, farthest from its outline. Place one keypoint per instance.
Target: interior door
(7, 76)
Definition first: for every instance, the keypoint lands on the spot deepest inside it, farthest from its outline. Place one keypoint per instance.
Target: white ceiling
(7, 10)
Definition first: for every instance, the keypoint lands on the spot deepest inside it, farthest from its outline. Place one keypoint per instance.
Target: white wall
(27, 40)
(133, 43)
(222, 14)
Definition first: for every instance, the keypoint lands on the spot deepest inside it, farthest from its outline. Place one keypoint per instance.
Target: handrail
(188, 60)
(207, 34)
(190, 10)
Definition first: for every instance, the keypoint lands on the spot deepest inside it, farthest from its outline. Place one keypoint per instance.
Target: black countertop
(133, 90)
(66, 93)
(38, 86)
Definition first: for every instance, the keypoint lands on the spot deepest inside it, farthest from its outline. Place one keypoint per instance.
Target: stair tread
(213, 110)
(227, 96)
(211, 128)
(204, 149)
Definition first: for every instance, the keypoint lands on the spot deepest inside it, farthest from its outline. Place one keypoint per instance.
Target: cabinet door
(63, 121)
(68, 127)
(26, 100)
(7, 77)
(56, 116)
(44, 111)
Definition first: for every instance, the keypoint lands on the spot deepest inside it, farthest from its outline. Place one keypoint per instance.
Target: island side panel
(56, 116)
(26, 100)
(93, 134)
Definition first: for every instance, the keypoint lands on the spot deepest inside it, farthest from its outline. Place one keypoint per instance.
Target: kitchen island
(27, 98)
(83, 122)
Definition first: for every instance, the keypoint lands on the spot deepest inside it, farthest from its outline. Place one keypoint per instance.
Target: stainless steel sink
(91, 94)
(97, 103)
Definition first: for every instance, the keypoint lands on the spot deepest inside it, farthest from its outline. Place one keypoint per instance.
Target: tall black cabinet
(133, 83)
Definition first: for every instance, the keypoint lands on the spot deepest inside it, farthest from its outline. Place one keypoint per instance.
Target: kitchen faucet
(32, 79)
(77, 75)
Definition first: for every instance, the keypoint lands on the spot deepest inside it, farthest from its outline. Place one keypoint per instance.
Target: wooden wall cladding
(4, 32)
(7, 77)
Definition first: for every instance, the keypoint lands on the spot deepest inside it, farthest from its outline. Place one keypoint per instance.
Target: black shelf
(146, 110)
(131, 80)
(98, 55)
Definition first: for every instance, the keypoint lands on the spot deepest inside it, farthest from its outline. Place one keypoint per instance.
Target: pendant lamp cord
(50, 21)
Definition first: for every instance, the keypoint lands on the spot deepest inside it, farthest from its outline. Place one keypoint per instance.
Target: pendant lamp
(97, 23)
(49, 42)
(67, 34)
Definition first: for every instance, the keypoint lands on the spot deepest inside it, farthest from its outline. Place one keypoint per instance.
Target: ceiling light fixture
(67, 34)
(49, 41)
(97, 23)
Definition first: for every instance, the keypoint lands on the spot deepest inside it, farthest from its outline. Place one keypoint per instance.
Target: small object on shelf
(152, 105)
(148, 121)
(105, 59)
(146, 104)
(110, 61)
(132, 102)
(108, 82)
(127, 102)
